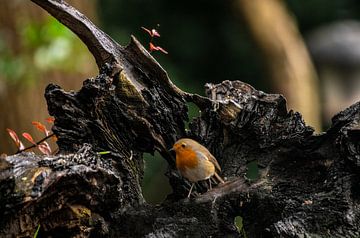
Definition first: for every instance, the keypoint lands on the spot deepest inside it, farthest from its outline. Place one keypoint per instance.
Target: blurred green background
(207, 41)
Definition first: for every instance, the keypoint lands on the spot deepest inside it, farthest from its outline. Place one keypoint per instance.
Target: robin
(195, 162)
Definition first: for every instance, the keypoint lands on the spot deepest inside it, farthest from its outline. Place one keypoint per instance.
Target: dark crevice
(155, 185)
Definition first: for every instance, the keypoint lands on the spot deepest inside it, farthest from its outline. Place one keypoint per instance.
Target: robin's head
(184, 146)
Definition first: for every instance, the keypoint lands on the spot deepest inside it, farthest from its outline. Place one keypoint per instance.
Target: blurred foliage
(155, 185)
(252, 172)
(312, 14)
(239, 225)
(207, 41)
(44, 45)
(11, 68)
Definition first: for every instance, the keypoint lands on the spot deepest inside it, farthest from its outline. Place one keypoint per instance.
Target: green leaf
(239, 225)
(37, 231)
(238, 222)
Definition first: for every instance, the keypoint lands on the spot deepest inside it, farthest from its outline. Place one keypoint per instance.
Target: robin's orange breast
(186, 159)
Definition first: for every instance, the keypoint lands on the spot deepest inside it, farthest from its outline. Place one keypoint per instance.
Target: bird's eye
(183, 145)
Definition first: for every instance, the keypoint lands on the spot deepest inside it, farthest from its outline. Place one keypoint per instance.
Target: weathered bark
(308, 184)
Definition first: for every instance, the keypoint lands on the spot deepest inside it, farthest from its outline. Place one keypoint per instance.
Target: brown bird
(195, 162)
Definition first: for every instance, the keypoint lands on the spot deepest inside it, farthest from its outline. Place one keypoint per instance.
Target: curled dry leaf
(16, 139)
(155, 33)
(151, 32)
(44, 148)
(156, 48)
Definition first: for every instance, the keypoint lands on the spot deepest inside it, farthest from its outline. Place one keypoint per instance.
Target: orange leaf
(16, 139)
(50, 119)
(28, 137)
(152, 48)
(45, 148)
(40, 127)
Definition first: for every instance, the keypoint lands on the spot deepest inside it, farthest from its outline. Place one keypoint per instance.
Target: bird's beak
(172, 149)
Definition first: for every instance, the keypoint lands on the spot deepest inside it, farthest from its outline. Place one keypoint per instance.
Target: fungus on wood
(308, 185)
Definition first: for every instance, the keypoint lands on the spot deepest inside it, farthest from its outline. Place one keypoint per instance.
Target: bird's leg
(210, 183)
(218, 178)
(192, 185)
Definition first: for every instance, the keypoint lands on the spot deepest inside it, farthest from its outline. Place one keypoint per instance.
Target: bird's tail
(218, 178)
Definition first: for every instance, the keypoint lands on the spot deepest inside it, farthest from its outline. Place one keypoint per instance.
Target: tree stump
(308, 185)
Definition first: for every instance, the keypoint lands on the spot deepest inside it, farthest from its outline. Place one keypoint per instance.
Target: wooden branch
(308, 185)
(102, 47)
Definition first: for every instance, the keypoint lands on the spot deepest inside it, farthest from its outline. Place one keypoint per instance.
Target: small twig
(36, 144)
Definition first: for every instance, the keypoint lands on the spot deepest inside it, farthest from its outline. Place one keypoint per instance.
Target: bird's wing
(214, 161)
(209, 157)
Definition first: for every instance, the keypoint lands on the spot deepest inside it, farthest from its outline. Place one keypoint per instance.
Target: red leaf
(45, 148)
(40, 127)
(152, 33)
(155, 33)
(162, 50)
(152, 48)
(28, 137)
(147, 30)
(50, 119)
(16, 139)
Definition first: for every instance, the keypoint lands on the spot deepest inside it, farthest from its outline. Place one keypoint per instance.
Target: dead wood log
(308, 185)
